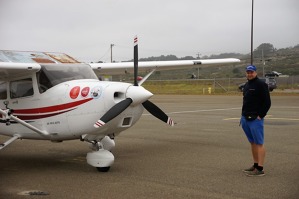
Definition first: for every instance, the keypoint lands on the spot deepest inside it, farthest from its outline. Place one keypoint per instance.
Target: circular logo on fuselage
(96, 92)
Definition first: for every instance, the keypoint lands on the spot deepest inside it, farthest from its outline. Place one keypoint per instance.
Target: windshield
(51, 75)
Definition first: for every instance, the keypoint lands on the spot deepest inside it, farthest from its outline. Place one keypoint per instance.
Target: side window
(3, 90)
(43, 81)
(21, 88)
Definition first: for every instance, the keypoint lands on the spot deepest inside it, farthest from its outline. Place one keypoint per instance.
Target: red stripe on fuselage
(34, 117)
(49, 109)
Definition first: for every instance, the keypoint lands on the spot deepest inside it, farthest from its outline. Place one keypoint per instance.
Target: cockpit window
(51, 75)
(3, 90)
(21, 88)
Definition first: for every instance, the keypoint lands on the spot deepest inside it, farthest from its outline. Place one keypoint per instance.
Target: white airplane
(43, 98)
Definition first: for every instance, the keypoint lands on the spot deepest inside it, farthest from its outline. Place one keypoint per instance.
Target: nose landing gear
(101, 157)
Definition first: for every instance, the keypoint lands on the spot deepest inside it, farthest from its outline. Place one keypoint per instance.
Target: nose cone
(138, 94)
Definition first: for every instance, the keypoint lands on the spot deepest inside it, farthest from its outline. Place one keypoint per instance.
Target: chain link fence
(288, 84)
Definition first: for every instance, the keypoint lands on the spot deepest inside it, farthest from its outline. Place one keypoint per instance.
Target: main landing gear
(101, 157)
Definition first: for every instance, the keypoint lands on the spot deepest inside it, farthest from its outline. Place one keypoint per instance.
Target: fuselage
(65, 103)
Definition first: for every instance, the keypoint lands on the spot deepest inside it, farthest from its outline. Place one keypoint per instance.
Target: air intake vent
(119, 96)
(127, 121)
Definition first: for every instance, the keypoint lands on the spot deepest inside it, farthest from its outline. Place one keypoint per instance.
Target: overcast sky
(85, 29)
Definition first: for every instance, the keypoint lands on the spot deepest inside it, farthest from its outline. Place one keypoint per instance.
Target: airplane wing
(10, 70)
(124, 67)
(16, 64)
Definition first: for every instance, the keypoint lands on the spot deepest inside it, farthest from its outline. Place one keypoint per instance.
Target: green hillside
(285, 61)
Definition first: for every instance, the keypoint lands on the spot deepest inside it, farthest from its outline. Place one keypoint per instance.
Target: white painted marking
(267, 118)
(197, 111)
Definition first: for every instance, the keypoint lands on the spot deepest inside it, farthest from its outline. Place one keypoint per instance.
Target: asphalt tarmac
(201, 157)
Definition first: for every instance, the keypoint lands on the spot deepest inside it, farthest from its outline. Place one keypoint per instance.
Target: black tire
(103, 169)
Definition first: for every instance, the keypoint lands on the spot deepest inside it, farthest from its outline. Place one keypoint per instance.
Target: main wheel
(103, 169)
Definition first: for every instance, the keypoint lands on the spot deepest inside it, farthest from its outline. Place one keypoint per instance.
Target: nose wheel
(100, 157)
(103, 169)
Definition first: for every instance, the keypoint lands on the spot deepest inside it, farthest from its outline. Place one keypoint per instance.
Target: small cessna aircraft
(51, 96)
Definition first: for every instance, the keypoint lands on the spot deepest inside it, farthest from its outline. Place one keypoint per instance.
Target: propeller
(149, 106)
(136, 95)
(113, 112)
(157, 112)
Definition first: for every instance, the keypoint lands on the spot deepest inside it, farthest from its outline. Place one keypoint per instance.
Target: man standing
(256, 103)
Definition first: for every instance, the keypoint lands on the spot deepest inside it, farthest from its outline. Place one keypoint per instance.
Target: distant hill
(266, 56)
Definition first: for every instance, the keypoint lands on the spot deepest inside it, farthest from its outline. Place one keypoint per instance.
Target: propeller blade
(157, 112)
(135, 60)
(113, 112)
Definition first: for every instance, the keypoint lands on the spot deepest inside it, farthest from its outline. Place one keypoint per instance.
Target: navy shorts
(254, 130)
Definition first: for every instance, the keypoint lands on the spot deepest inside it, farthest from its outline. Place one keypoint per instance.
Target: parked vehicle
(273, 74)
(269, 80)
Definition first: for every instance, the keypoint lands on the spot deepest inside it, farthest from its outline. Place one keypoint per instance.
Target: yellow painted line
(233, 118)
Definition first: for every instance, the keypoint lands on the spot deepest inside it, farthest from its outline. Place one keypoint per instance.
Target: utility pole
(198, 56)
(111, 45)
(264, 62)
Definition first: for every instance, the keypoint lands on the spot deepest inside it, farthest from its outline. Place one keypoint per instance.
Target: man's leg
(254, 153)
(261, 153)
(258, 150)
(247, 131)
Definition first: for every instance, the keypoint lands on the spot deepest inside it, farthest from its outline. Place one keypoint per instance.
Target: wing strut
(7, 114)
(145, 78)
(9, 141)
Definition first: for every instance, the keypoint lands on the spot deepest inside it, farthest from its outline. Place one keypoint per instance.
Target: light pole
(111, 45)
(252, 33)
